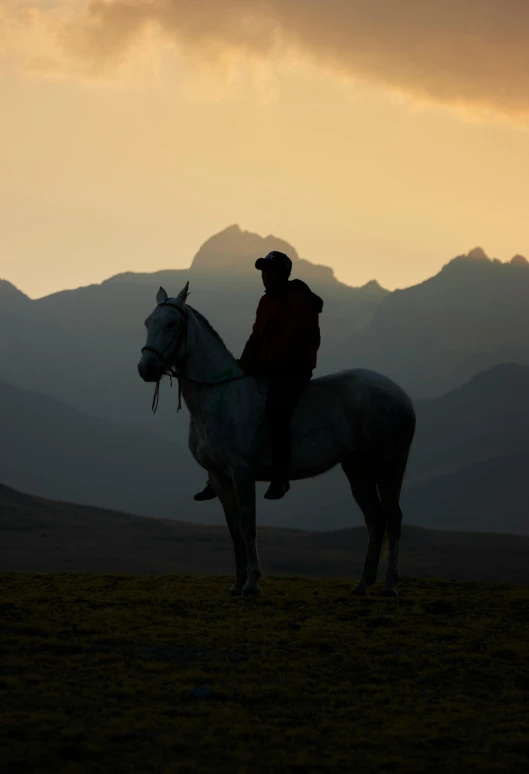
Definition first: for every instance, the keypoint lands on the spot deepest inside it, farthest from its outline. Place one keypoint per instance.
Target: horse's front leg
(244, 483)
(225, 490)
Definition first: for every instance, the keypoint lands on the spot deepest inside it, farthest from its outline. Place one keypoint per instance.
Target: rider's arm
(250, 352)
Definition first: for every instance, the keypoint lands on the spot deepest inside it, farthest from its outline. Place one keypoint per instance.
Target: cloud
(470, 53)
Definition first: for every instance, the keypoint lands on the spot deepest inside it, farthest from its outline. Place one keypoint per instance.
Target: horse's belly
(315, 448)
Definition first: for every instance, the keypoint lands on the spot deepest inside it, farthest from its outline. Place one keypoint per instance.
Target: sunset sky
(379, 137)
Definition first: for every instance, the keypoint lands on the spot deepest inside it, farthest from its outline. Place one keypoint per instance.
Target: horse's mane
(209, 327)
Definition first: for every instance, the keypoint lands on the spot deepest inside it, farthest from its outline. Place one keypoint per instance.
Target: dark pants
(284, 390)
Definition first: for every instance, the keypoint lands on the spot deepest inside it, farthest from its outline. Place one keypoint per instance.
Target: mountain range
(81, 346)
(436, 335)
(76, 421)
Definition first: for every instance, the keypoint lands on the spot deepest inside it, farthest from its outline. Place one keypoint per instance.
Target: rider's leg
(283, 394)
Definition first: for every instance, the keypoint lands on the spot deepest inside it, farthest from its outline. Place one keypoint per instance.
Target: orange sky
(381, 143)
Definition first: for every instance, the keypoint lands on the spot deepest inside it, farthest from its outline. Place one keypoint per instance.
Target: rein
(172, 374)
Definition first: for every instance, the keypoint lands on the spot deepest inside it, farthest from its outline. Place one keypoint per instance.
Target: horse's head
(166, 335)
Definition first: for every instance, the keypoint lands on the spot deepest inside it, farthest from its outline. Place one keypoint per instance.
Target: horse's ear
(181, 297)
(161, 296)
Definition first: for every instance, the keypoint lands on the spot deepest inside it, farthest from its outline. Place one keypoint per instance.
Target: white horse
(356, 418)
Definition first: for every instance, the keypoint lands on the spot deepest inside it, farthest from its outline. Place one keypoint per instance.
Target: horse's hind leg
(364, 489)
(223, 486)
(244, 484)
(389, 475)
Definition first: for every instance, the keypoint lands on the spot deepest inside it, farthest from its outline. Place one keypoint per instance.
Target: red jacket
(286, 332)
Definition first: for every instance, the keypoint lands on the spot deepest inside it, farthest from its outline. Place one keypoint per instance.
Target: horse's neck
(207, 360)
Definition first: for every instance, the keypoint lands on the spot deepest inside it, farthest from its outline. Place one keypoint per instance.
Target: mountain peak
(235, 248)
(470, 263)
(374, 288)
(11, 294)
(372, 285)
(477, 254)
(474, 259)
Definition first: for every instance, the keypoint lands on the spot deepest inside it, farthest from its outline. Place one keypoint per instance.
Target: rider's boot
(208, 493)
(277, 489)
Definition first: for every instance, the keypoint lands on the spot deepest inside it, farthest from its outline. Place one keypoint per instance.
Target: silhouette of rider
(282, 350)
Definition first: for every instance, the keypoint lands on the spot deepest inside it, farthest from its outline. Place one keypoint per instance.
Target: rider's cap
(274, 261)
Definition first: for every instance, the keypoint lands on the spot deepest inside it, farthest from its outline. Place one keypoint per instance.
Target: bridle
(182, 331)
(170, 372)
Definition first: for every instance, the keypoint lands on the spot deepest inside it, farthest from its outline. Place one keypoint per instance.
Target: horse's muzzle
(150, 368)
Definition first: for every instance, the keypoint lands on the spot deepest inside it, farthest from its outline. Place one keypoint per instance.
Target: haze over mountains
(84, 344)
(457, 343)
(53, 450)
(434, 336)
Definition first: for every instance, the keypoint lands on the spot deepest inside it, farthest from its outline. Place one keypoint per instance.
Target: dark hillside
(39, 535)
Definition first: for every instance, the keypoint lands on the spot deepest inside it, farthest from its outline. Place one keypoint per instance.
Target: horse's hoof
(235, 591)
(251, 591)
(384, 592)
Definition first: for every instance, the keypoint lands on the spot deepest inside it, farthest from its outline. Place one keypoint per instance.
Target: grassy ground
(94, 671)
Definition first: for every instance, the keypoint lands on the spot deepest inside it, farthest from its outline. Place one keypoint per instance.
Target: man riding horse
(281, 350)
